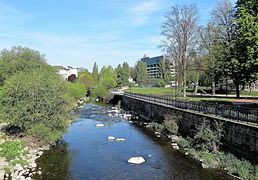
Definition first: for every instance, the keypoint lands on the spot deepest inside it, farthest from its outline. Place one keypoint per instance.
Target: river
(85, 153)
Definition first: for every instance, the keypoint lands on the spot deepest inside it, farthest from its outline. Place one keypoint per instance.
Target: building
(153, 64)
(66, 71)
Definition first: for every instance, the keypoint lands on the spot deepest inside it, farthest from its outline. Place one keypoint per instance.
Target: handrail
(249, 115)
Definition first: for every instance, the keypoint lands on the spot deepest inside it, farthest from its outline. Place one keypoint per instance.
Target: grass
(152, 91)
(170, 93)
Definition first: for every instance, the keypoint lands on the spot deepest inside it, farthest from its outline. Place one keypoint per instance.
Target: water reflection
(85, 153)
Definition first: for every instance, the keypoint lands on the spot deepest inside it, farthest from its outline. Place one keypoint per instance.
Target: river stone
(100, 125)
(136, 160)
(120, 139)
(111, 138)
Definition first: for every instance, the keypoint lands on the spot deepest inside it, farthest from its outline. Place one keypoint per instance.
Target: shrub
(207, 137)
(184, 143)
(161, 83)
(157, 127)
(75, 90)
(170, 124)
(40, 131)
(236, 166)
(12, 149)
(34, 97)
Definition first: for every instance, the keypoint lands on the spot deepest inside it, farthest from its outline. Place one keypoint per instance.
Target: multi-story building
(153, 68)
(66, 71)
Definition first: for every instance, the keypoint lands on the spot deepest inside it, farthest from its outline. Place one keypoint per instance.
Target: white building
(66, 71)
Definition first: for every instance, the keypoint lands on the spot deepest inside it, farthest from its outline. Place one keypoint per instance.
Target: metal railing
(249, 115)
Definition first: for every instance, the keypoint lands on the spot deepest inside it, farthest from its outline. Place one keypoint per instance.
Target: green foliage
(107, 80)
(19, 59)
(86, 79)
(141, 73)
(157, 127)
(99, 91)
(75, 90)
(170, 124)
(182, 142)
(161, 83)
(207, 137)
(40, 131)
(36, 96)
(243, 63)
(123, 74)
(12, 149)
(95, 72)
(164, 68)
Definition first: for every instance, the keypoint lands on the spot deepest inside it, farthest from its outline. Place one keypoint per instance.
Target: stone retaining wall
(240, 139)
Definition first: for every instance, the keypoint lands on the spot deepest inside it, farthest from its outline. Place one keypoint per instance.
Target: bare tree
(180, 31)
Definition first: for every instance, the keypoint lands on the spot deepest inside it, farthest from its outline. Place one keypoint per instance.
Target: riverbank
(205, 158)
(19, 152)
(18, 156)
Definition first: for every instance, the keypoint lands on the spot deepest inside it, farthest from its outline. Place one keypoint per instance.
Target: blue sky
(79, 32)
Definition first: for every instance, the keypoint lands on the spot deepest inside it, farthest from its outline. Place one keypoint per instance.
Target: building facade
(66, 71)
(153, 66)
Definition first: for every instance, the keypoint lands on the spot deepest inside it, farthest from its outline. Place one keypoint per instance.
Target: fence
(249, 115)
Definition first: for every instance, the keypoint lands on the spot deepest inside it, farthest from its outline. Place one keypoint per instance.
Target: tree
(211, 54)
(86, 79)
(243, 64)
(95, 72)
(19, 59)
(29, 99)
(141, 73)
(180, 31)
(221, 33)
(123, 74)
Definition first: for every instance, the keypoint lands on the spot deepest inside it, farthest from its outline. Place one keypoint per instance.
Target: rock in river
(120, 139)
(111, 138)
(100, 125)
(136, 160)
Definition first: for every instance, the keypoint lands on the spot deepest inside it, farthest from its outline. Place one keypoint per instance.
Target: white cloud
(141, 12)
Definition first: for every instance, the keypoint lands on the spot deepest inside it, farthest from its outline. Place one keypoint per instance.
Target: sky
(79, 32)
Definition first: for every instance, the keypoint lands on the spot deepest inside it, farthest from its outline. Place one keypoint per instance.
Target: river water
(85, 153)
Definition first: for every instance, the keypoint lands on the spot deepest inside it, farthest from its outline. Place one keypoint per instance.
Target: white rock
(111, 138)
(136, 160)
(120, 139)
(186, 153)
(176, 147)
(100, 125)
(130, 121)
(158, 136)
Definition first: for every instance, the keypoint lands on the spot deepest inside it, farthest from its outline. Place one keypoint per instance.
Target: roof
(153, 60)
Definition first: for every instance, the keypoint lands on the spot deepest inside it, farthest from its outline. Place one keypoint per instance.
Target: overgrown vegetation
(33, 93)
(170, 124)
(204, 146)
(13, 150)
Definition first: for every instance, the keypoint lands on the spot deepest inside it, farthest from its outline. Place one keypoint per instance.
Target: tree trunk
(196, 87)
(184, 83)
(213, 88)
(237, 90)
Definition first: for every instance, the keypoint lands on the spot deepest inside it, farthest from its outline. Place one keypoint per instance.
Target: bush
(12, 149)
(40, 131)
(184, 143)
(161, 83)
(207, 137)
(157, 127)
(34, 97)
(75, 90)
(170, 124)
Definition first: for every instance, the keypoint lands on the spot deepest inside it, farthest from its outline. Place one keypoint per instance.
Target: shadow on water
(85, 153)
